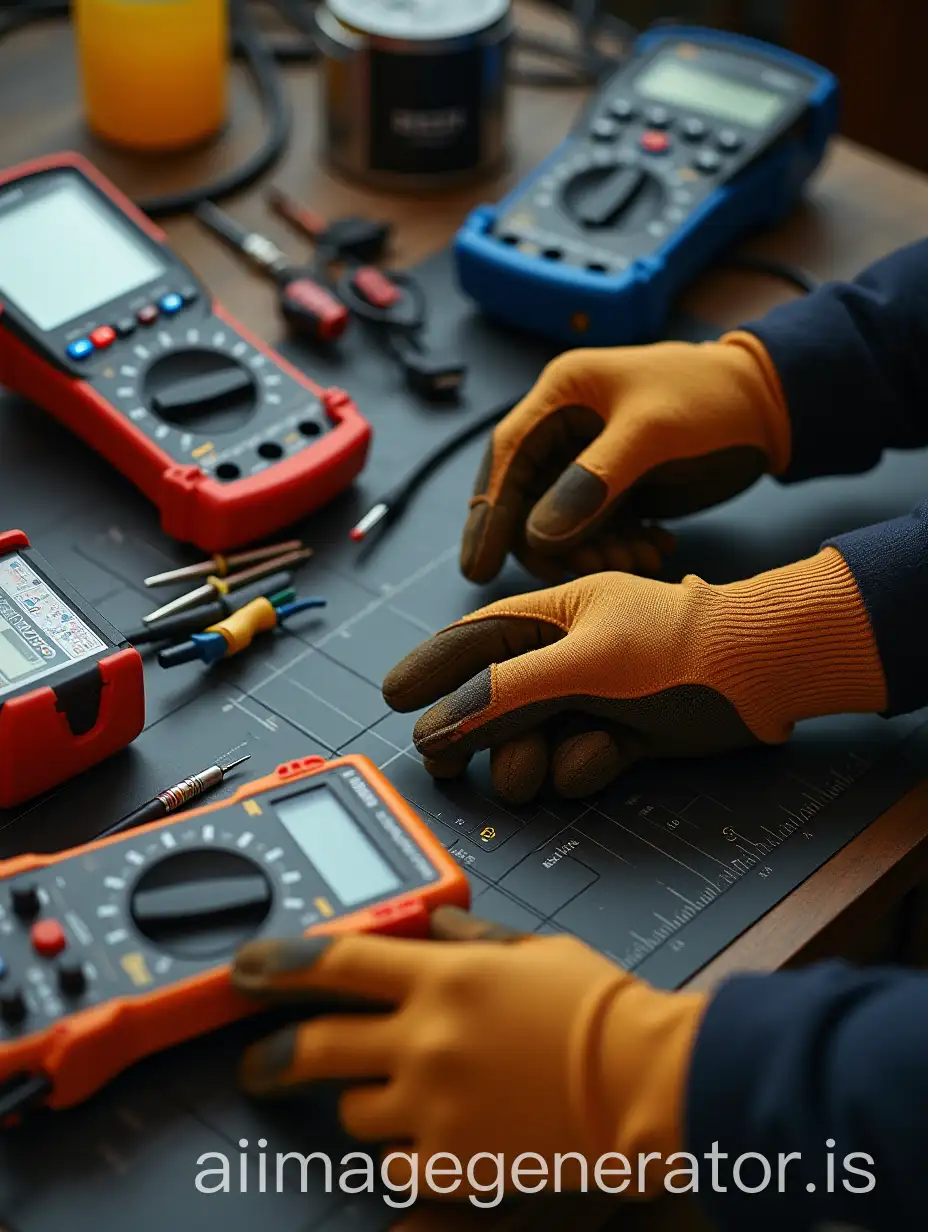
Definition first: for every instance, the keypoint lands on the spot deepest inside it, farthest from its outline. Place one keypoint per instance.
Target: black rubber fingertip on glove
(456, 924)
(566, 509)
(435, 729)
(264, 1066)
(260, 961)
(586, 763)
(488, 536)
(519, 767)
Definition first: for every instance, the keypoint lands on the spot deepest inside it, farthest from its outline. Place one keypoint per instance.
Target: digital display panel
(669, 80)
(332, 840)
(64, 254)
(39, 632)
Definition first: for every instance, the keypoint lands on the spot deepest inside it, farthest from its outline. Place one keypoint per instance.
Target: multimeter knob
(72, 979)
(600, 195)
(25, 901)
(201, 390)
(202, 903)
(13, 1007)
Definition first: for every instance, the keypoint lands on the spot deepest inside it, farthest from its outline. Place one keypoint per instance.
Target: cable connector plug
(436, 375)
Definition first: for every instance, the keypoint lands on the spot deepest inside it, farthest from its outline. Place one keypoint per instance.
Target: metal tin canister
(414, 91)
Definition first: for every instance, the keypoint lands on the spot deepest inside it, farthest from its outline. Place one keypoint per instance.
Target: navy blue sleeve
(853, 362)
(830, 1065)
(889, 562)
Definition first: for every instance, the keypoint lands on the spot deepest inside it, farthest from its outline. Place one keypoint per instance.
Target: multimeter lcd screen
(39, 632)
(668, 80)
(64, 254)
(331, 839)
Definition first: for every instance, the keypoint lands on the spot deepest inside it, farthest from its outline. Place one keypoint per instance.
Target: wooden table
(860, 207)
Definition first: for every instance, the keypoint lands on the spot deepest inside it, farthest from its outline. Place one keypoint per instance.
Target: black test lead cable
(391, 505)
(22, 1092)
(794, 275)
(260, 60)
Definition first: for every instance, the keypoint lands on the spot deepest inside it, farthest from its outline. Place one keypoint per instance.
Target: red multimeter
(104, 327)
(120, 948)
(71, 687)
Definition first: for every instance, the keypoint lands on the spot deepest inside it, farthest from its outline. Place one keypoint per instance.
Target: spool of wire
(415, 90)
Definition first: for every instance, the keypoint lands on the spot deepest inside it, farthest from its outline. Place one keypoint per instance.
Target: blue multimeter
(700, 137)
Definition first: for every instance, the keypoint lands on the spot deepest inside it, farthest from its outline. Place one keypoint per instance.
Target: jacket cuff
(889, 562)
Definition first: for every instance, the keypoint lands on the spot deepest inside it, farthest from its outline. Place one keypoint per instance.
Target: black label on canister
(426, 112)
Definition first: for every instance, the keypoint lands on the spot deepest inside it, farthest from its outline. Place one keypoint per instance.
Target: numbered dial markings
(208, 398)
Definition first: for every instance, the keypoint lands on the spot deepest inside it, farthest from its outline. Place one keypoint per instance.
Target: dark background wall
(878, 49)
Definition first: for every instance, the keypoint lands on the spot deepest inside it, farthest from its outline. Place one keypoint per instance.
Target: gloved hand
(609, 438)
(588, 677)
(497, 1043)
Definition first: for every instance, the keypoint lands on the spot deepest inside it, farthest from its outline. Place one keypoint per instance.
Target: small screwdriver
(221, 566)
(215, 586)
(234, 634)
(306, 305)
(174, 798)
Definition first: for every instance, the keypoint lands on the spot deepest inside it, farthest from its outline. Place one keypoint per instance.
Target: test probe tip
(371, 519)
(232, 764)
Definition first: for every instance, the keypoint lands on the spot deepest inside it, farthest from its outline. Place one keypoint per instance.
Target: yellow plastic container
(154, 72)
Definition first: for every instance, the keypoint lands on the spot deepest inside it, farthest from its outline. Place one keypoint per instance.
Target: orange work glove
(492, 1042)
(610, 438)
(588, 677)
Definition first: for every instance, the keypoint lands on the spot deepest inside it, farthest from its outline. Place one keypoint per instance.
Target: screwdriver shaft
(217, 586)
(260, 250)
(221, 565)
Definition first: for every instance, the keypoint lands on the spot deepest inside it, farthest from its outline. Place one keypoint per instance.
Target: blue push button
(80, 349)
(3, 967)
(169, 304)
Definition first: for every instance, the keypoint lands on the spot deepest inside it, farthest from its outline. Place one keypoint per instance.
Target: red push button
(103, 337)
(653, 142)
(376, 287)
(147, 315)
(48, 938)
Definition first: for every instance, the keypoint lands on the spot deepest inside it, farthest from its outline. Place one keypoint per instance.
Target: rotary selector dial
(602, 208)
(201, 904)
(143, 913)
(201, 390)
(207, 397)
(607, 194)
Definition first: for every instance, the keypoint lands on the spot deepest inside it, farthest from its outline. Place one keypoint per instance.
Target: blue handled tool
(698, 139)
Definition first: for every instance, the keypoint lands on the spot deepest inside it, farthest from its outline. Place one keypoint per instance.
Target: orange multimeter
(120, 948)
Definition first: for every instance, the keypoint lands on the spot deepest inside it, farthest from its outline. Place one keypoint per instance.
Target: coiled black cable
(269, 86)
(260, 57)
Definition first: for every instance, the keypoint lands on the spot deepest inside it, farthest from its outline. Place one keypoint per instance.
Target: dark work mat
(661, 872)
